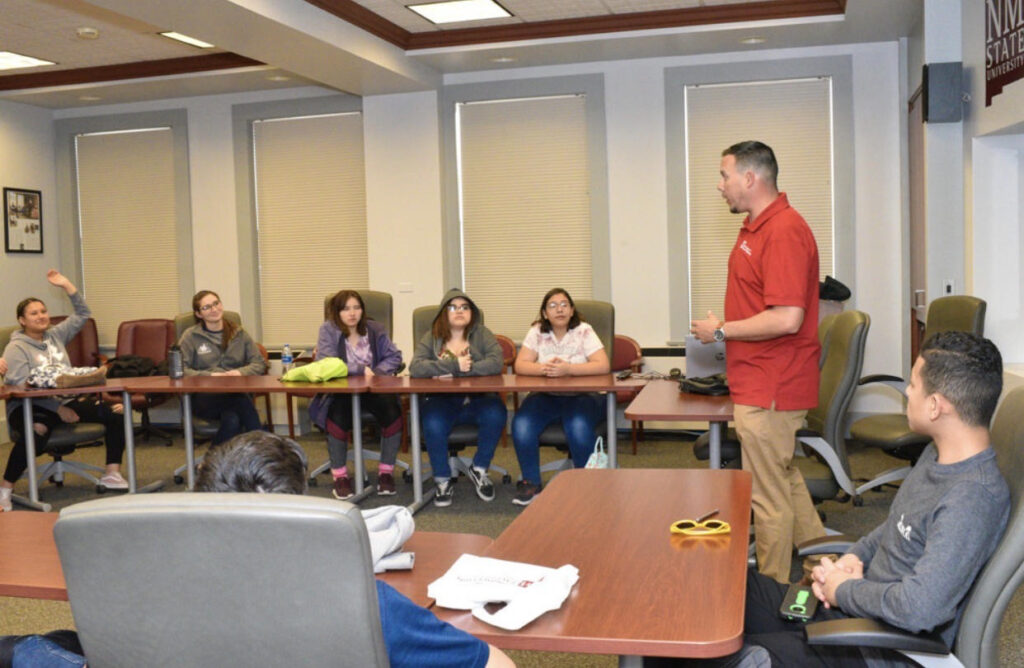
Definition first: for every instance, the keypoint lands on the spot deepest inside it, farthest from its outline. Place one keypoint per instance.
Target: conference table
(30, 566)
(642, 591)
(26, 394)
(662, 400)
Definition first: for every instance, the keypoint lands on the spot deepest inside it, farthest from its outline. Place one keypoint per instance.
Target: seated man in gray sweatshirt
(915, 569)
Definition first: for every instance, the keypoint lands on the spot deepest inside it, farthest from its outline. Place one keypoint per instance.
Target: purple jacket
(387, 358)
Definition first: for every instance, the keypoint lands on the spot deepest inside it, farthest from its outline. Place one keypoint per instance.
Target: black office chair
(890, 432)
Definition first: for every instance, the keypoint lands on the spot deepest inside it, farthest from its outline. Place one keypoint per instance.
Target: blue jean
(440, 413)
(579, 414)
(41, 652)
(236, 412)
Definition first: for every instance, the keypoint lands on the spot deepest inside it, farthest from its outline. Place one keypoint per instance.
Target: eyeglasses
(211, 305)
(459, 307)
(554, 306)
(702, 526)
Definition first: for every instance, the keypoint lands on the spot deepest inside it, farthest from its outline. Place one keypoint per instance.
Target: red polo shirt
(774, 263)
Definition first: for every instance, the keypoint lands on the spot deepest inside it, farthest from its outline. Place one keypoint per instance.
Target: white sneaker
(114, 481)
(5, 499)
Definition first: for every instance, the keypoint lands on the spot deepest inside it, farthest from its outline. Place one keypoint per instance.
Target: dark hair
(338, 302)
(256, 461)
(966, 369)
(756, 156)
(230, 329)
(23, 304)
(545, 324)
(441, 329)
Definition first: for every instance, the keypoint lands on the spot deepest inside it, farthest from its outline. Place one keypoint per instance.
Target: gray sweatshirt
(484, 349)
(202, 354)
(24, 353)
(919, 564)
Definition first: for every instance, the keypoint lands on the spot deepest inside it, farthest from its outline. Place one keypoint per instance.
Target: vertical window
(127, 226)
(310, 218)
(794, 117)
(524, 204)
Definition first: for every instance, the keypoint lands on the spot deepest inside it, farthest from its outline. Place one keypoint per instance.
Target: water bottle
(175, 364)
(286, 358)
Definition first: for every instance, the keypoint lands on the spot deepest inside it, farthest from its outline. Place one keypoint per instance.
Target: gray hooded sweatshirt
(484, 349)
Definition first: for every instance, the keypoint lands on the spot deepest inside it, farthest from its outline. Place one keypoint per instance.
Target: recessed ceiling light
(12, 61)
(187, 40)
(89, 98)
(87, 32)
(503, 59)
(460, 10)
(278, 77)
(752, 40)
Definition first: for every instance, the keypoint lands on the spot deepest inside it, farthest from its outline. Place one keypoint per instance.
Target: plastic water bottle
(286, 358)
(175, 364)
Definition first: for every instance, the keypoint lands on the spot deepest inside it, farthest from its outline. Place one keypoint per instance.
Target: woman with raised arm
(364, 346)
(215, 346)
(37, 345)
(458, 344)
(558, 344)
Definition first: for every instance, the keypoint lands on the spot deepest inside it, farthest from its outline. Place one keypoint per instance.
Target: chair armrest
(400, 369)
(637, 365)
(835, 544)
(857, 632)
(880, 378)
(100, 359)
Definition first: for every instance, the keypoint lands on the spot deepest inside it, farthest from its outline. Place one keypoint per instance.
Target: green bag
(319, 371)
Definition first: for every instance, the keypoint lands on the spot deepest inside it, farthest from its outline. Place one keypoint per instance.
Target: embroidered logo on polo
(745, 248)
(204, 349)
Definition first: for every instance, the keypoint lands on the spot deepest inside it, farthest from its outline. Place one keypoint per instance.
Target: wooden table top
(254, 384)
(29, 565)
(642, 590)
(22, 391)
(435, 554)
(500, 383)
(662, 400)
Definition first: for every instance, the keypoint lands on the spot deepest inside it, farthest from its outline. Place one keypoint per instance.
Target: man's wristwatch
(719, 333)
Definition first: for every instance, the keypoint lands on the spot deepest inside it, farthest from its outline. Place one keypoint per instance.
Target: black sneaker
(525, 493)
(484, 487)
(443, 495)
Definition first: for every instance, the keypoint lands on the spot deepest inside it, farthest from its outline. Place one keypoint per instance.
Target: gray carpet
(469, 514)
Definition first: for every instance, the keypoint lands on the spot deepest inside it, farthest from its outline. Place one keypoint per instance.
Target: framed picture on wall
(23, 220)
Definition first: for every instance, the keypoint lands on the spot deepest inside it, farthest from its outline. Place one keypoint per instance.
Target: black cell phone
(624, 374)
(799, 604)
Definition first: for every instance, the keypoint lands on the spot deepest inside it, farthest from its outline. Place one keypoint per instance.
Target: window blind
(311, 219)
(127, 226)
(524, 205)
(794, 118)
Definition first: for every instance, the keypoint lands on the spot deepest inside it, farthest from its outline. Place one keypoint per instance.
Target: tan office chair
(203, 579)
(890, 432)
(462, 435)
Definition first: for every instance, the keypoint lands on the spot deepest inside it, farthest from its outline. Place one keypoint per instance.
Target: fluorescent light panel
(460, 10)
(12, 61)
(192, 41)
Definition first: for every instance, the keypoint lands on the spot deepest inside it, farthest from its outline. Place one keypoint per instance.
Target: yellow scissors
(702, 526)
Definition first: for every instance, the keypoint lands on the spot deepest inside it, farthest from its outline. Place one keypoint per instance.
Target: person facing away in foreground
(259, 461)
(771, 339)
(915, 569)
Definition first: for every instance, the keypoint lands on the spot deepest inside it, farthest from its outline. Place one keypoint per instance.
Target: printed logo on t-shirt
(204, 349)
(745, 248)
(904, 529)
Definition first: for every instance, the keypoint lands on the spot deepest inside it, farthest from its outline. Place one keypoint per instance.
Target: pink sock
(340, 473)
(385, 468)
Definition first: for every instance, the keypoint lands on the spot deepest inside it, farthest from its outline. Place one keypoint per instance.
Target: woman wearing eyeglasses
(458, 344)
(364, 346)
(558, 344)
(215, 346)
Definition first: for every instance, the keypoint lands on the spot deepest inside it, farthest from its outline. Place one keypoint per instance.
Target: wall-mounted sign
(1004, 45)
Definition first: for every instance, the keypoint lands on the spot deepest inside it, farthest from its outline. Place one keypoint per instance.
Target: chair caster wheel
(313, 482)
(506, 479)
(858, 501)
(58, 483)
(101, 489)
(178, 479)
(406, 476)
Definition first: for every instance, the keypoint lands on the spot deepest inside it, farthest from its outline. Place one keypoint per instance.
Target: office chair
(84, 349)
(977, 639)
(221, 579)
(150, 338)
(890, 432)
(62, 442)
(628, 355)
(462, 435)
(203, 429)
(508, 350)
(379, 307)
(601, 316)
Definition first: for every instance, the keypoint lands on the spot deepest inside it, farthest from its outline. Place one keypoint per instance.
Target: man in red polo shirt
(771, 335)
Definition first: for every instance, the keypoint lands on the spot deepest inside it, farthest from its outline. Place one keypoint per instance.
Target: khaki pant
(784, 515)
